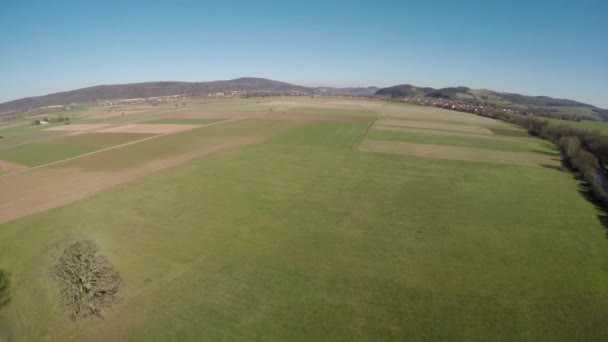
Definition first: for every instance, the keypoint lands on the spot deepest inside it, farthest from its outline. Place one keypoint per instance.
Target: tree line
(583, 151)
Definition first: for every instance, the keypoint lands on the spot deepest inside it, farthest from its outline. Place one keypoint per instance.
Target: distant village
(177, 99)
(484, 108)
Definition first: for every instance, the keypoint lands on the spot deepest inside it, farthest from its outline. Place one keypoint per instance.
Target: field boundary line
(122, 145)
(357, 143)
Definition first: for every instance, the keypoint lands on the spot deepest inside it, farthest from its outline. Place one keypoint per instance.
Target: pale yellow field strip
(459, 153)
(435, 125)
(414, 112)
(451, 133)
(78, 127)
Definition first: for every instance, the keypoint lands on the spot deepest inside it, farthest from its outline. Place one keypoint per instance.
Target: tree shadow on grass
(553, 167)
(585, 190)
(547, 153)
(562, 167)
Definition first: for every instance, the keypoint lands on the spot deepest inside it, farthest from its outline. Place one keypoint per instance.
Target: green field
(40, 153)
(297, 234)
(464, 141)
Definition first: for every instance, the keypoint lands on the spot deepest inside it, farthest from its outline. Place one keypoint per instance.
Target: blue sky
(541, 47)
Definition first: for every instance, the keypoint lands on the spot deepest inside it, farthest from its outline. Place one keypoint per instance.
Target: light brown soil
(148, 128)
(56, 184)
(78, 127)
(459, 153)
(47, 188)
(9, 167)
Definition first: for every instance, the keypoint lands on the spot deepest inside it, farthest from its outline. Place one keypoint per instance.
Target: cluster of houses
(117, 103)
(256, 93)
(483, 108)
(155, 101)
(43, 121)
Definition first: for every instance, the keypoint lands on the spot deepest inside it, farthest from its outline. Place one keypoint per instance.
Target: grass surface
(302, 238)
(36, 154)
(518, 145)
(324, 134)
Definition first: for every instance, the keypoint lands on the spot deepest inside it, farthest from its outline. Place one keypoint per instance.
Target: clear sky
(536, 47)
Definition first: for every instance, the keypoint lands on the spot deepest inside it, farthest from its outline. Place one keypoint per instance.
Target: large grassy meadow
(304, 236)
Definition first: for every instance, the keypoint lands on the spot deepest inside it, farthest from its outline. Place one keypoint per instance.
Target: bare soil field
(9, 167)
(459, 153)
(45, 188)
(148, 128)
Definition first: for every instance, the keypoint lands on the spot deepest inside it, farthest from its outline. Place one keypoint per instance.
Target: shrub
(570, 146)
(5, 296)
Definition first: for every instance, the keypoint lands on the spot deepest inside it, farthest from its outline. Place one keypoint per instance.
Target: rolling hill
(350, 91)
(149, 89)
(565, 107)
(404, 90)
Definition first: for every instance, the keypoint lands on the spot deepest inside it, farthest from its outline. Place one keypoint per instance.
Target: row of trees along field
(583, 151)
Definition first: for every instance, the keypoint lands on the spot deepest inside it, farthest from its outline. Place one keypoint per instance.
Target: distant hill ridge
(147, 89)
(154, 89)
(564, 106)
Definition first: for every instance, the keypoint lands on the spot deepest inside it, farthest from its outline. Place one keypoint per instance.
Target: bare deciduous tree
(88, 282)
